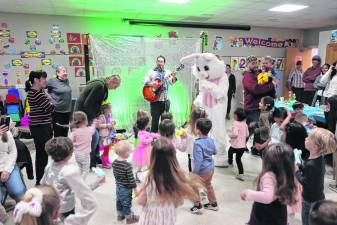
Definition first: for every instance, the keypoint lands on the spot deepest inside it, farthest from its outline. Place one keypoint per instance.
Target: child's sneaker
(133, 219)
(240, 177)
(212, 206)
(196, 209)
(120, 218)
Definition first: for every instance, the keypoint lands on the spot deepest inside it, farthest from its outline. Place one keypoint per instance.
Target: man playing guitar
(166, 78)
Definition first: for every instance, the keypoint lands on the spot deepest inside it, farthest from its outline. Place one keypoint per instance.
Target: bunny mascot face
(213, 88)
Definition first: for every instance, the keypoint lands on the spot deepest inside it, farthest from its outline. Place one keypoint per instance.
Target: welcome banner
(260, 42)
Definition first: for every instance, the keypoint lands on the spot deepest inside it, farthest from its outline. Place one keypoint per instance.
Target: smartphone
(5, 121)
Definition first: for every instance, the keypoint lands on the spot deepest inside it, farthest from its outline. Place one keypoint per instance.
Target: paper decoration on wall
(5, 44)
(27, 42)
(74, 37)
(57, 46)
(38, 67)
(217, 43)
(46, 62)
(52, 52)
(31, 34)
(7, 66)
(5, 73)
(75, 60)
(172, 34)
(334, 36)
(75, 49)
(4, 25)
(26, 66)
(4, 33)
(33, 54)
(18, 73)
(37, 41)
(32, 47)
(79, 72)
(235, 63)
(61, 41)
(242, 63)
(279, 64)
(62, 52)
(260, 42)
(56, 33)
(11, 40)
(17, 62)
(6, 82)
(51, 41)
(27, 72)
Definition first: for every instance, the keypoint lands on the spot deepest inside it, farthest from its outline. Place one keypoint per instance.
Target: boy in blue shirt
(203, 151)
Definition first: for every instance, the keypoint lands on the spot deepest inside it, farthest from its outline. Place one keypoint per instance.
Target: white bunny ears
(32, 205)
(191, 57)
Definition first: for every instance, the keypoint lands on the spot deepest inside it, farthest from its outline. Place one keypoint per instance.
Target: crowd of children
(291, 180)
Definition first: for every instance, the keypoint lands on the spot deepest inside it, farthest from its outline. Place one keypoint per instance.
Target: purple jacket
(253, 92)
(309, 78)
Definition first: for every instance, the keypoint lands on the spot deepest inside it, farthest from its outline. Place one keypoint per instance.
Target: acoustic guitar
(153, 90)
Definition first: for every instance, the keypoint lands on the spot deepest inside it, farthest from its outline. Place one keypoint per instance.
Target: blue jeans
(94, 154)
(124, 201)
(15, 186)
(305, 212)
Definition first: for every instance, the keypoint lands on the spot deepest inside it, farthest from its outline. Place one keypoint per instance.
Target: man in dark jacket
(90, 101)
(253, 92)
(231, 89)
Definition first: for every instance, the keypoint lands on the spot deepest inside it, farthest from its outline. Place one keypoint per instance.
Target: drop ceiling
(320, 13)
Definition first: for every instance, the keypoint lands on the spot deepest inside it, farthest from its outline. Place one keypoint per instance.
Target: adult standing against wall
(90, 101)
(309, 78)
(40, 118)
(253, 92)
(295, 82)
(60, 93)
(231, 89)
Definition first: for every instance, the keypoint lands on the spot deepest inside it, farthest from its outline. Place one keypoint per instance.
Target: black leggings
(63, 119)
(189, 162)
(239, 152)
(41, 134)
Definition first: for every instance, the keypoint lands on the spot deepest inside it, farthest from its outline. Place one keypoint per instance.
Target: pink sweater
(81, 138)
(266, 194)
(239, 134)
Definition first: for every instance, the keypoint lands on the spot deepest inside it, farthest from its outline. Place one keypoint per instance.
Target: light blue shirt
(203, 151)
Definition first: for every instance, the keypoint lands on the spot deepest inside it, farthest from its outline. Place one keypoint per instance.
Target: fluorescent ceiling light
(288, 8)
(175, 1)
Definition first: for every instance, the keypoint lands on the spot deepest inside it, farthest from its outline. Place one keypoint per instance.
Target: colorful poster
(217, 43)
(75, 60)
(259, 62)
(46, 62)
(31, 34)
(33, 55)
(4, 33)
(279, 64)
(75, 49)
(17, 62)
(242, 63)
(79, 72)
(74, 37)
(235, 63)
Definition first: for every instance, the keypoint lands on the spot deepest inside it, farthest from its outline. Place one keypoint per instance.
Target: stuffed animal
(213, 88)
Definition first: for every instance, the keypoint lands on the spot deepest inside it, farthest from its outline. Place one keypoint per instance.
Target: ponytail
(32, 75)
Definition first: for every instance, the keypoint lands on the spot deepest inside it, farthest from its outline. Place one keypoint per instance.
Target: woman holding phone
(9, 171)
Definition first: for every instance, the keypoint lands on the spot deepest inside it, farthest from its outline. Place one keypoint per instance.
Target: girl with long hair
(165, 187)
(275, 188)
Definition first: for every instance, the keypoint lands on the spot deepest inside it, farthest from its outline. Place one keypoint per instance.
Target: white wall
(19, 23)
(324, 39)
